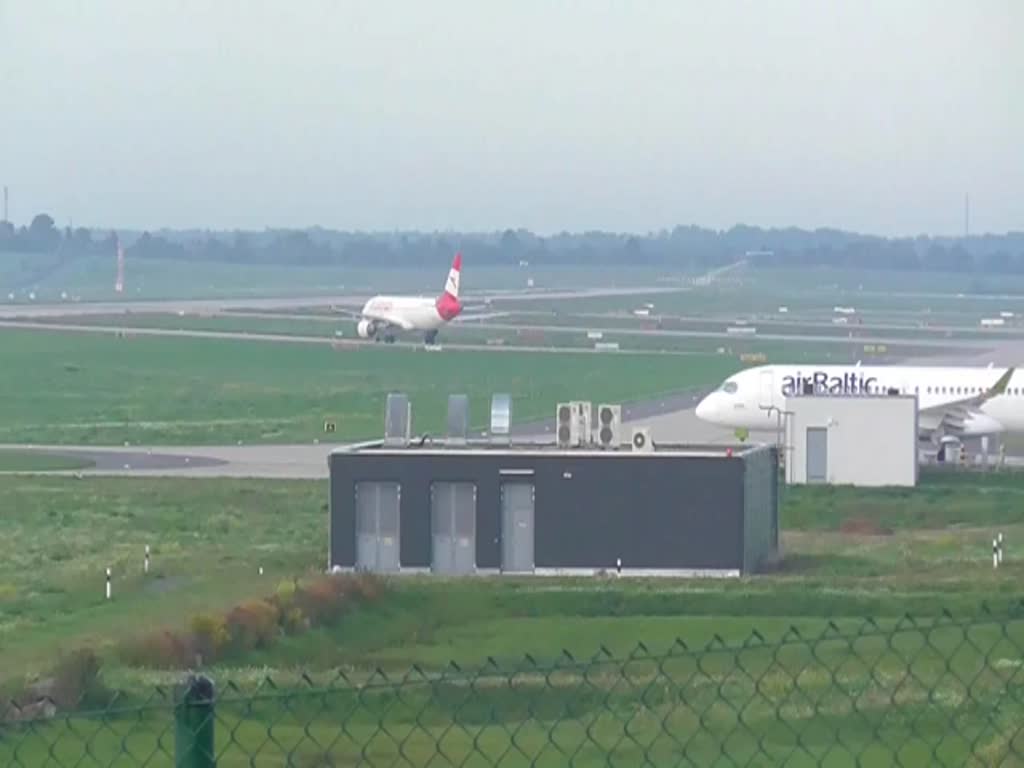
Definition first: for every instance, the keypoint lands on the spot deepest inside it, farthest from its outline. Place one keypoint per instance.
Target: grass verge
(12, 460)
(66, 388)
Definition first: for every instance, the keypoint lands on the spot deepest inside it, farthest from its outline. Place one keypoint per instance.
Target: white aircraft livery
(955, 401)
(381, 316)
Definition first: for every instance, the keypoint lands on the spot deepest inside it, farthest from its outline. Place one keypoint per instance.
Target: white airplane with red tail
(382, 316)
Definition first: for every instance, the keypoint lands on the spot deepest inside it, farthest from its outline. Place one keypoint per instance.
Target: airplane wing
(346, 312)
(476, 308)
(950, 416)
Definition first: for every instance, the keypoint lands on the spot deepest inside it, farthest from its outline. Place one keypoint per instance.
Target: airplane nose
(704, 408)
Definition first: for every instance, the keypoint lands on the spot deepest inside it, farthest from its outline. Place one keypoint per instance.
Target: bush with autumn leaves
(294, 608)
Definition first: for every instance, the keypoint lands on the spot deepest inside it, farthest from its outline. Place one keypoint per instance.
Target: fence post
(193, 724)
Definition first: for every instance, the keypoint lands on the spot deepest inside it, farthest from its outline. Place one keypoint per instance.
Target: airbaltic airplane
(381, 316)
(953, 401)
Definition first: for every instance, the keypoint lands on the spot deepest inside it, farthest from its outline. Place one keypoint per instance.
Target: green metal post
(193, 724)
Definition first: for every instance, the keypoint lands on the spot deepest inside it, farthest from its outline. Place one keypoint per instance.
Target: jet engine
(365, 329)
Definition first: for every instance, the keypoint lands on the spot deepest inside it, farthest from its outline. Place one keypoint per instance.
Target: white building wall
(871, 439)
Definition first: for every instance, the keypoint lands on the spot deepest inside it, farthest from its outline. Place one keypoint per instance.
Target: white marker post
(995, 553)
(145, 564)
(618, 566)
(108, 583)
(261, 570)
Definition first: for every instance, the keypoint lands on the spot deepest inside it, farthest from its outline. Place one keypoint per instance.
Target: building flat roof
(538, 448)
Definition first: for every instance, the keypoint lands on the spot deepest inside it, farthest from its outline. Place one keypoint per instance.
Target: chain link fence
(940, 692)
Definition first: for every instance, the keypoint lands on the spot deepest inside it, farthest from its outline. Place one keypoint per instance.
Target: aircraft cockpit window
(730, 387)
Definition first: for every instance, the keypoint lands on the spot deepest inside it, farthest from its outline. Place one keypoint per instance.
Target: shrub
(322, 602)
(369, 587)
(209, 636)
(365, 587)
(254, 624)
(293, 621)
(77, 682)
(251, 625)
(161, 650)
(285, 592)
(327, 599)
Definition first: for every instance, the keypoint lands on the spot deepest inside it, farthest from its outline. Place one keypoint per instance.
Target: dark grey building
(533, 508)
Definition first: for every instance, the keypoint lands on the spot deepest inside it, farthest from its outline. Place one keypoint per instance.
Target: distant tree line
(688, 246)
(43, 236)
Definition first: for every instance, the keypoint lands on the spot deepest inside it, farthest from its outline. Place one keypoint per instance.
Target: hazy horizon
(872, 117)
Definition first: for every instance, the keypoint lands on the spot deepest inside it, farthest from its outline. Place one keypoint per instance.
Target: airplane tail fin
(451, 286)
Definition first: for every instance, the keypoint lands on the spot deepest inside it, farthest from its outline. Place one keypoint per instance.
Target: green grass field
(26, 461)
(209, 538)
(93, 389)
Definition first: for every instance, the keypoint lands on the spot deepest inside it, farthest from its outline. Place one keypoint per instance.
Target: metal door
(817, 454)
(453, 527)
(377, 526)
(517, 505)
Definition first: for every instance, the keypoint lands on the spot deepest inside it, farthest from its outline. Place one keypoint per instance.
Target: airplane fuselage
(752, 399)
(410, 313)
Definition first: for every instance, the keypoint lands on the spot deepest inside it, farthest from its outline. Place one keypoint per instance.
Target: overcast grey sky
(484, 114)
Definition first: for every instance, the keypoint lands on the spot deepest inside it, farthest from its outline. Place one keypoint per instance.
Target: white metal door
(517, 505)
(453, 527)
(817, 454)
(377, 526)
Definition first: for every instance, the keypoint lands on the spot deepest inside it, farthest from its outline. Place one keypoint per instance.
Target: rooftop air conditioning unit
(566, 426)
(609, 426)
(572, 424)
(641, 440)
(584, 414)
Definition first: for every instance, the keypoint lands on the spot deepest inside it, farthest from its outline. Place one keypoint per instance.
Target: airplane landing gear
(430, 337)
(389, 339)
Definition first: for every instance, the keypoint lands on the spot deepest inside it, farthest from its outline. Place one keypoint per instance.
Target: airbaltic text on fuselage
(819, 381)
